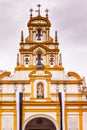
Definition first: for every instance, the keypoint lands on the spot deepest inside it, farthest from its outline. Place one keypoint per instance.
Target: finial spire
(17, 59)
(31, 10)
(84, 82)
(56, 38)
(47, 12)
(0, 88)
(60, 59)
(22, 37)
(38, 9)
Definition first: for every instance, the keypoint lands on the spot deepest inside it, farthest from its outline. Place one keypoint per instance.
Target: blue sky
(68, 17)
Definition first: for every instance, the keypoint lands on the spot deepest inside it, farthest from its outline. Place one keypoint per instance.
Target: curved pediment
(39, 21)
(74, 74)
(40, 73)
(6, 73)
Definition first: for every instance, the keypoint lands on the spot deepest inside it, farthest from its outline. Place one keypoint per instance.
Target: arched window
(39, 34)
(40, 90)
(51, 59)
(26, 60)
(39, 60)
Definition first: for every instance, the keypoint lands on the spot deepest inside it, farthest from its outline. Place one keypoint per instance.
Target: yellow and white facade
(39, 74)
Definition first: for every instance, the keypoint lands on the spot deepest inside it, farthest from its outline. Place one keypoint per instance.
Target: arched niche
(40, 90)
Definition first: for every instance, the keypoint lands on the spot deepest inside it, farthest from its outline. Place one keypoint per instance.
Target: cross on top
(38, 9)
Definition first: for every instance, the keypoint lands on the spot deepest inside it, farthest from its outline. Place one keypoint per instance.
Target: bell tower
(40, 76)
(39, 50)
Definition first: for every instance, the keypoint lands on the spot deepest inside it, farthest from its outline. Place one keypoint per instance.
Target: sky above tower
(68, 18)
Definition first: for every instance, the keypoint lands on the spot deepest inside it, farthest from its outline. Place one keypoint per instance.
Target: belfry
(39, 75)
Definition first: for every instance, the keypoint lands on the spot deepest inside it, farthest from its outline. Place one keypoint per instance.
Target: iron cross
(38, 9)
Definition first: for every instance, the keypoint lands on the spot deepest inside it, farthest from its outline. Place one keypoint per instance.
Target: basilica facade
(39, 75)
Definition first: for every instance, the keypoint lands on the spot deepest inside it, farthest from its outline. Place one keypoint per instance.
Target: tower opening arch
(40, 122)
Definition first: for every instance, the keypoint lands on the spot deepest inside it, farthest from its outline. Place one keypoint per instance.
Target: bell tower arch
(39, 37)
